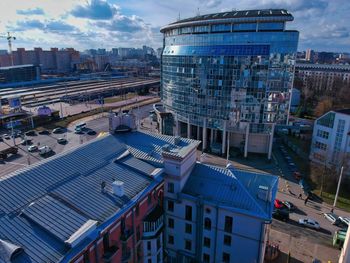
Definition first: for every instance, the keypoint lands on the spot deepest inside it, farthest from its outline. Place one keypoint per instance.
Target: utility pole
(336, 194)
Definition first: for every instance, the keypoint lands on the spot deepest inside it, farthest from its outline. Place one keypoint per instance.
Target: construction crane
(10, 38)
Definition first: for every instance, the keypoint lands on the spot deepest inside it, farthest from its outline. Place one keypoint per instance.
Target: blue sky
(323, 25)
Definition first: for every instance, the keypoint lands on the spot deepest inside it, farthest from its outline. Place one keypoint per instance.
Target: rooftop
(343, 111)
(244, 192)
(17, 66)
(314, 66)
(45, 207)
(237, 16)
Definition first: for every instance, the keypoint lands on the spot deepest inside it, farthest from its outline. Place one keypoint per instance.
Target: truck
(44, 150)
(4, 153)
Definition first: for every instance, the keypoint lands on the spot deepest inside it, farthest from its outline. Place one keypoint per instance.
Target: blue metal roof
(223, 187)
(44, 204)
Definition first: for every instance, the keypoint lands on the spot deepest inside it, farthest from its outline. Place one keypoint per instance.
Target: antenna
(198, 12)
(179, 18)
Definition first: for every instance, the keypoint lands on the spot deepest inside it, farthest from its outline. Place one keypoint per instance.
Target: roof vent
(118, 188)
(8, 251)
(177, 140)
(166, 148)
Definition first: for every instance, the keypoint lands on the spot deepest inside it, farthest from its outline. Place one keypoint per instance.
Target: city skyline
(108, 24)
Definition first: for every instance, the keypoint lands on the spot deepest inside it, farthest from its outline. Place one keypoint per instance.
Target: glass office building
(228, 76)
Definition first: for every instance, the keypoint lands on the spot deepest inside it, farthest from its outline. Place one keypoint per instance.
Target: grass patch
(342, 202)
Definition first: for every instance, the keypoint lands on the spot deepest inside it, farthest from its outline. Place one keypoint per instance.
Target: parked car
(333, 218)
(32, 148)
(91, 132)
(278, 204)
(289, 205)
(280, 214)
(61, 140)
(7, 137)
(308, 222)
(345, 220)
(26, 141)
(57, 130)
(44, 150)
(1, 139)
(44, 132)
(78, 131)
(30, 133)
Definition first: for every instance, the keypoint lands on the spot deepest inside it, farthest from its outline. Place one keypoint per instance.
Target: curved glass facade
(233, 72)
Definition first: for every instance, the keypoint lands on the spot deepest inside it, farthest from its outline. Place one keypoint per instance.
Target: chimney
(118, 188)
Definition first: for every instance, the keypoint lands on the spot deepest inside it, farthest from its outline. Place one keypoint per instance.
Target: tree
(323, 106)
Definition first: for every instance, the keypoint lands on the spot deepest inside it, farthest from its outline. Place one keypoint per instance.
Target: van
(44, 150)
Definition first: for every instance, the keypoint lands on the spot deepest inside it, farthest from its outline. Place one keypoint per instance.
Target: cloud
(59, 26)
(122, 23)
(27, 25)
(31, 11)
(96, 10)
(54, 26)
(213, 3)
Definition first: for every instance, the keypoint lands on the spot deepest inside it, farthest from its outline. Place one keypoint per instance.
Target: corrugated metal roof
(44, 204)
(220, 185)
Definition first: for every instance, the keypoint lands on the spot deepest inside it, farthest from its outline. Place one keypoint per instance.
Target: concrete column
(271, 141)
(223, 149)
(188, 129)
(246, 141)
(198, 132)
(211, 136)
(177, 124)
(204, 140)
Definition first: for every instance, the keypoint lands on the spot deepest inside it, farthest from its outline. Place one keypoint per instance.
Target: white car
(309, 223)
(44, 150)
(345, 220)
(32, 148)
(333, 218)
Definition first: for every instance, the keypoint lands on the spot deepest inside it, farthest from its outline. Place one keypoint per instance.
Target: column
(271, 141)
(246, 141)
(177, 124)
(211, 136)
(204, 140)
(198, 132)
(188, 129)
(223, 149)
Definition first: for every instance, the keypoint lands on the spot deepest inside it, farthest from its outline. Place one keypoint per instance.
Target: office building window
(170, 223)
(170, 187)
(206, 258)
(149, 260)
(206, 242)
(207, 223)
(227, 240)
(188, 214)
(170, 206)
(149, 245)
(225, 257)
(158, 243)
(188, 228)
(188, 244)
(171, 239)
(228, 224)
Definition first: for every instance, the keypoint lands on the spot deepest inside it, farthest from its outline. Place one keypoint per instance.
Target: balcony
(109, 254)
(126, 234)
(153, 223)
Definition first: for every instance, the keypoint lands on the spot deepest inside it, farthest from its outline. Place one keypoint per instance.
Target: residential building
(331, 140)
(295, 100)
(229, 74)
(104, 202)
(322, 76)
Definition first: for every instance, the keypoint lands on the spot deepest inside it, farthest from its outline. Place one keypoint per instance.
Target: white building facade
(331, 140)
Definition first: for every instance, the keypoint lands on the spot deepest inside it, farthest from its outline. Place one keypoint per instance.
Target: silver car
(307, 222)
(345, 220)
(333, 218)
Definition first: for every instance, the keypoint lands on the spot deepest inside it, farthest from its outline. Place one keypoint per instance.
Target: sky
(324, 25)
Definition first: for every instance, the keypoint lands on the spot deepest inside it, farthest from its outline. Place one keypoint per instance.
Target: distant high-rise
(229, 74)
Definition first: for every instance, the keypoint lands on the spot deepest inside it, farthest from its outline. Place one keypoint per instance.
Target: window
(86, 258)
(188, 214)
(149, 199)
(138, 233)
(322, 134)
(149, 245)
(225, 257)
(158, 257)
(137, 210)
(171, 239)
(227, 240)
(206, 242)
(228, 224)
(320, 145)
(207, 223)
(170, 206)
(170, 187)
(188, 244)
(149, 260)
(206, 258)
(158, 243)
(188, 228)
(106, 242)
(170, 223)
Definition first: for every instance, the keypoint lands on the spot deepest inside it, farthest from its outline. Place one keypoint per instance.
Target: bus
(339, 238)
(80, 126)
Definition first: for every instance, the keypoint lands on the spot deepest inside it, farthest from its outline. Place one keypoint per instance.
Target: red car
(278, 204)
